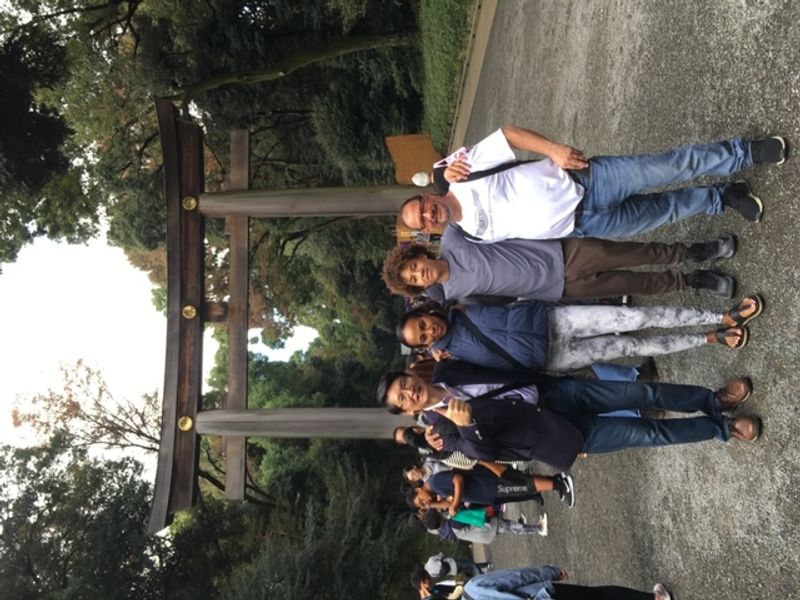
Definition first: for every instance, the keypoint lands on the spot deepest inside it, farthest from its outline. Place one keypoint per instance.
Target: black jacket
(506, 427)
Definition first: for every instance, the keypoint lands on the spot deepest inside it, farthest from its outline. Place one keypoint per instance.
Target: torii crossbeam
(188, 206)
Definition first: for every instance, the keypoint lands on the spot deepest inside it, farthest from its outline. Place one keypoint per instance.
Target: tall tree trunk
(283, 67)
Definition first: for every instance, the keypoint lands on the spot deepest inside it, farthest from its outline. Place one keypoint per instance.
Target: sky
(63, 303)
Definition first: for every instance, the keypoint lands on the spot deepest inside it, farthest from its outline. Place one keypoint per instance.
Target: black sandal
(722, 335)
(740, 319)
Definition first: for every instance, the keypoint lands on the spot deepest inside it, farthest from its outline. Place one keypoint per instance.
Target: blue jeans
(614, 205)
(581, 401)
(526, 582)
(612, 372)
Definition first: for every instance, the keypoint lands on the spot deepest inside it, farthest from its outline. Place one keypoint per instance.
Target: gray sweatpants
(579, 335)
(509, 526)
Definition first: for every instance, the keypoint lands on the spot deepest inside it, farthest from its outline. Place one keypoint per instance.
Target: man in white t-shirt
(491, 196)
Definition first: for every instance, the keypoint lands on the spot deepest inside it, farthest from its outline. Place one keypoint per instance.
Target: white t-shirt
(435, 563)
(534, 201)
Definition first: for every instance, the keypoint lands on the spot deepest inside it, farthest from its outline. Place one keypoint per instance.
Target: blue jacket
(514, 584)
(519, 329)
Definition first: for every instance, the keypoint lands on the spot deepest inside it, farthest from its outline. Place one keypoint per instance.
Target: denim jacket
(514, 584)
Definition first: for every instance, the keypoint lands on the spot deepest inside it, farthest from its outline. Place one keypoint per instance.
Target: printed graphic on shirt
(481, 218)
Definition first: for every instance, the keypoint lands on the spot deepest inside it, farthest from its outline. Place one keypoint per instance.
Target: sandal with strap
(742, 436)
(735, 313)
(722, 336)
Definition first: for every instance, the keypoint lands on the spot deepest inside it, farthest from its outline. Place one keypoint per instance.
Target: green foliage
(357, 113)
(72, 526)
(445, 28)
(350, 10)
(208, 542)
(138, 218)
(159, 299)
(341, 546)
(43, 194)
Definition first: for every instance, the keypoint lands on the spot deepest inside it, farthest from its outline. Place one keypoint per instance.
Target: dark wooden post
(187, 208)
(238, 230)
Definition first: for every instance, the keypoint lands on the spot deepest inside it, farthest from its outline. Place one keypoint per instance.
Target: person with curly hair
(553, 269)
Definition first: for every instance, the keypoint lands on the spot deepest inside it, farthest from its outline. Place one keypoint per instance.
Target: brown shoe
(735, 392)
(746, 429)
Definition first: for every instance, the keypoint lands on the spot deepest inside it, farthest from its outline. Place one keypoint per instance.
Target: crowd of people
(516, 297)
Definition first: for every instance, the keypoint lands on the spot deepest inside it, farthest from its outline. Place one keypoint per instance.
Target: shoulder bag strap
(441, 185)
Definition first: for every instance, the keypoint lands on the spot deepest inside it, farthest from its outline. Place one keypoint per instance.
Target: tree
(351, 525)
(290, 64)
(73, 527)
(86, 409)
(43, 194)
(93, 416)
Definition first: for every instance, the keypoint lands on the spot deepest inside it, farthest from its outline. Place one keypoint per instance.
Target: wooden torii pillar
(182, 420)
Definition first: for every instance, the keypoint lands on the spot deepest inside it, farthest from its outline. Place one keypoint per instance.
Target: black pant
(514, 486)
(566, 591)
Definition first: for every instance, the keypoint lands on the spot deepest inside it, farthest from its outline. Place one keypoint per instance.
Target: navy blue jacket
(506, 428)
(519, 329)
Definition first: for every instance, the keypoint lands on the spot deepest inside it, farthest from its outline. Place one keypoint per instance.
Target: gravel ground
(617, 77)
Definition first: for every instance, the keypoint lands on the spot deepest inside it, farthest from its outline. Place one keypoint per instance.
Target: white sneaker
(542, 523)
(661, 592)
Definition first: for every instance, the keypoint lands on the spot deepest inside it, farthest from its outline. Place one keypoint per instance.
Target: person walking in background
(488, 484)
(547, 583)
(439, 565)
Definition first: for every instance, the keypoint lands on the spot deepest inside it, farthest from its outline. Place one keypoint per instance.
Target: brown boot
(735, 392)
(746, 429)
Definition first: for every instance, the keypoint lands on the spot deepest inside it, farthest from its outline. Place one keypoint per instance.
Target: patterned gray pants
(579, 335)
(509, 526)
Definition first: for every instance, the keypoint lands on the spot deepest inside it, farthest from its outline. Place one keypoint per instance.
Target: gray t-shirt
(521, 268)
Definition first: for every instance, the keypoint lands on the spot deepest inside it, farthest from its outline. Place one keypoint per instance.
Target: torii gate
(182, 421)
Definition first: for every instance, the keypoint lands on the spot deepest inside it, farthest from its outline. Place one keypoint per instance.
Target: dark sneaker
(740, 198)
(769, 151)
(648, 371)
(564, 486)
(716, 283)
(722, 247)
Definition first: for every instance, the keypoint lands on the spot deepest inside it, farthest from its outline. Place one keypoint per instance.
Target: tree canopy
(72, 526)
